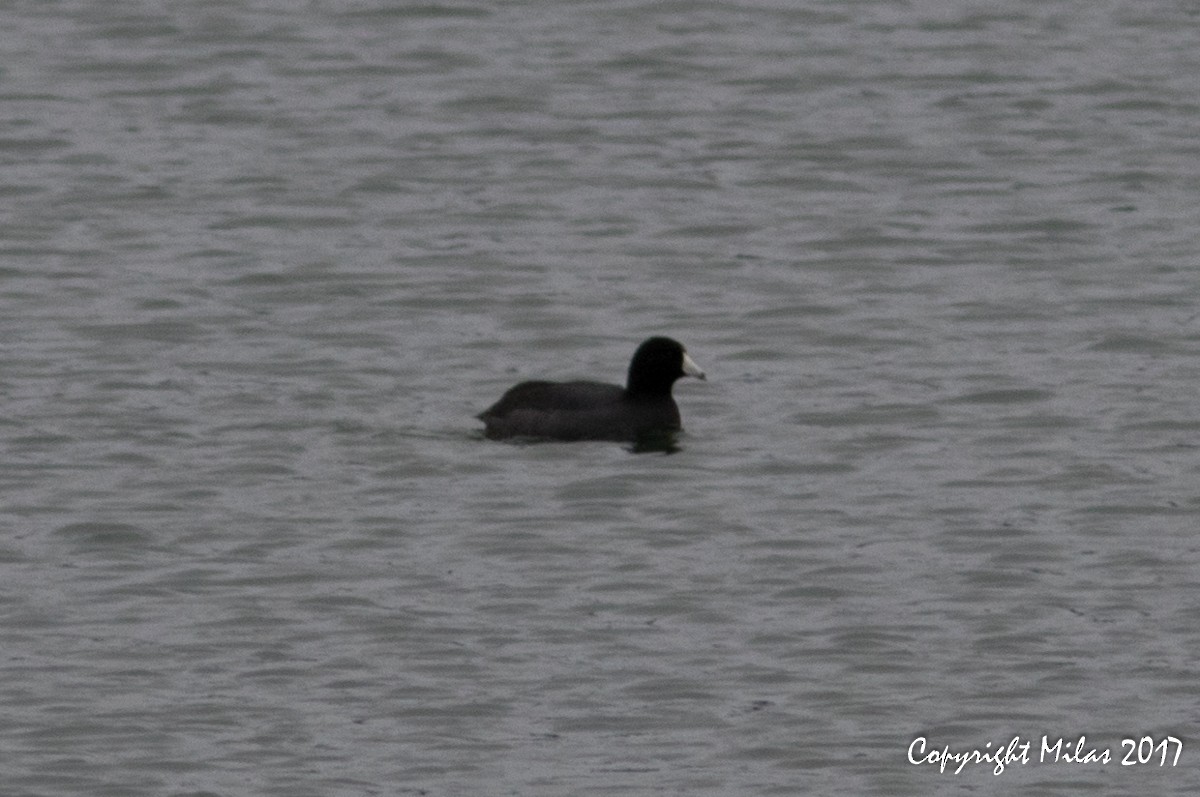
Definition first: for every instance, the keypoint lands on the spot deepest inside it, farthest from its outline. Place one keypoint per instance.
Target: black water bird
(642, 409)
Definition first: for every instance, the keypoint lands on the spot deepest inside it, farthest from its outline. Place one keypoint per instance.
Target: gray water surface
(261, 263)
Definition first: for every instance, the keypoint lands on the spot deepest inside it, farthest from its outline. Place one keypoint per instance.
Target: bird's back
(575, 411)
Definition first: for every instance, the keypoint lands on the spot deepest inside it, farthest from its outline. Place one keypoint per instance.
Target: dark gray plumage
(594, 410)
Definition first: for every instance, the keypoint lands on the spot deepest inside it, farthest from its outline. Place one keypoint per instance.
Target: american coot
(594, 410)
